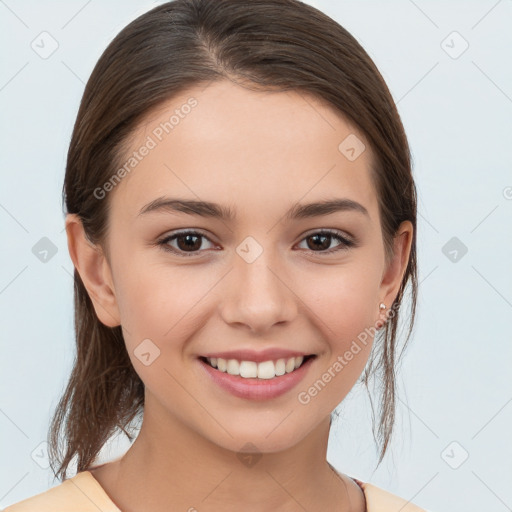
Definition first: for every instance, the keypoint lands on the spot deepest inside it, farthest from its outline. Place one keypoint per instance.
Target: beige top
(83, 493)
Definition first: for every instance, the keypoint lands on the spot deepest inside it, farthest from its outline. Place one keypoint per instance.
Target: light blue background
(455, 380)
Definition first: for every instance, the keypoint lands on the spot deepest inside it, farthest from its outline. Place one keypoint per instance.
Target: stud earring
(382, 305)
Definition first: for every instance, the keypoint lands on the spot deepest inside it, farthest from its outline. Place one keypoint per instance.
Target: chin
(261, 438)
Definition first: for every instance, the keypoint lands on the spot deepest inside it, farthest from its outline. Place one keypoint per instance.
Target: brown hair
(266, 44)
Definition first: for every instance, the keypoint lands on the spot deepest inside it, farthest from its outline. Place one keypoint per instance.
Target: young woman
(241, 215)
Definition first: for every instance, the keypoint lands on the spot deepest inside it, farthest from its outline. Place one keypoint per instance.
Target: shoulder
(82, 492)
(379, 500)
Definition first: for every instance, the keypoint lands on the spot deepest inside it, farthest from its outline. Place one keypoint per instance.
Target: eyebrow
(213, 210)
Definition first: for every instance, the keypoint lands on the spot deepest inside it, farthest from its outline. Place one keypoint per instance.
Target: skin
(259, 153)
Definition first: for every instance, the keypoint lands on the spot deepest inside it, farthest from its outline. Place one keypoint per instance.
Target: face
(272, 280)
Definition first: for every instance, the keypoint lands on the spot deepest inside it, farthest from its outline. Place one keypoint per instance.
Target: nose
(258, 294)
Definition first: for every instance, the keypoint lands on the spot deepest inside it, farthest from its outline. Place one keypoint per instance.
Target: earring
(382, 306)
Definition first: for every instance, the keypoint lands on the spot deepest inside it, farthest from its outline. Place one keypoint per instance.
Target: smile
(251, 369)
(256, 380)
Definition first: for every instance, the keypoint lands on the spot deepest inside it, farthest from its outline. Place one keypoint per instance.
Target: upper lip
(269, 354)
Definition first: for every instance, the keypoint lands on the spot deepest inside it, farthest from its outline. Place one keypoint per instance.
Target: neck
(171, 466)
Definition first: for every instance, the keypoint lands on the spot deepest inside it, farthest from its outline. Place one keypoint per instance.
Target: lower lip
(257, 389)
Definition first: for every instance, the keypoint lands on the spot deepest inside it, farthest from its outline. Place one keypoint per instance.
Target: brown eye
(190, 242)
(322, 240)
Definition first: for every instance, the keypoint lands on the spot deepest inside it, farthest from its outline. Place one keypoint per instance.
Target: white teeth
(248, 369)
(266, 370)
(233, 367)
(280, 367)
(251, 369)
(290, 365)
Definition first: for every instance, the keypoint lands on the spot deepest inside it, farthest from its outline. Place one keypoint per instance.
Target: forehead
(224, 142)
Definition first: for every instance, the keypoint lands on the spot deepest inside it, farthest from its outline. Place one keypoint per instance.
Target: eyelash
(345, 243)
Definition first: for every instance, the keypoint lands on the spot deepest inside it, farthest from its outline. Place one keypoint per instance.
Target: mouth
(271, 369)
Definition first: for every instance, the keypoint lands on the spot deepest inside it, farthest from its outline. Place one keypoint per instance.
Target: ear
(393, 274)
(94, 269)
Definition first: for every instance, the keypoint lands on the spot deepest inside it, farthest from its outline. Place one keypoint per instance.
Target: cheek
(346, 300)
(345, 307)
(161, 303)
